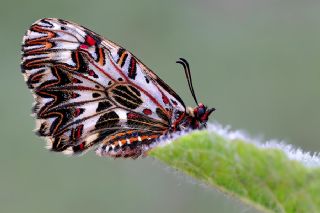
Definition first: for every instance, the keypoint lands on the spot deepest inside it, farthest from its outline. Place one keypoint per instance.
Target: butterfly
(91, 93)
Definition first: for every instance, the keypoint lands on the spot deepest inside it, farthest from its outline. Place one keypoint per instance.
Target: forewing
(86, 88)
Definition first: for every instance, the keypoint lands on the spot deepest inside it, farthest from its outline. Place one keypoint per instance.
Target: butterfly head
(199, 116)
(202, 113)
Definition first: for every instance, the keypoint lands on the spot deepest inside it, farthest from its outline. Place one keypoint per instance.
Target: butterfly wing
(90, 91)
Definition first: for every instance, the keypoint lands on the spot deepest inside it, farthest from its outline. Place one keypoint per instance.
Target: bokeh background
(256, 61)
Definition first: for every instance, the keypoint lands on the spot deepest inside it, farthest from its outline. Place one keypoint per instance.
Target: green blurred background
(256, 61)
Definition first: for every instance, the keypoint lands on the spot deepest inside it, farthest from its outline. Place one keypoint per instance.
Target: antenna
(187, 71)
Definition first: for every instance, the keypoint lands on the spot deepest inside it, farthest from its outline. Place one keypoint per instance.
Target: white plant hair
(309, 159)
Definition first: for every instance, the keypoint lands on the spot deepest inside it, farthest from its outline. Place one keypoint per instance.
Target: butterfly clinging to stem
(90, 92)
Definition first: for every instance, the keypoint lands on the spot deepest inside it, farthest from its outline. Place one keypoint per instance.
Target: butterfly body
(90, 92)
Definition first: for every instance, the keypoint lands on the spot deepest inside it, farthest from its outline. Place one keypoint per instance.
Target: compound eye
(201, 111)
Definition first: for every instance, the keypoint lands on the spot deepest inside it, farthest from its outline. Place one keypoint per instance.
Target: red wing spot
(81, 146)
(74, 80)
(165, 99)
(77, 112)
(74, 95)
(91, 73)
(131, 115)
(174, 102)
(79, 131)
(147, 111)
(84, 46)
(90, 40)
